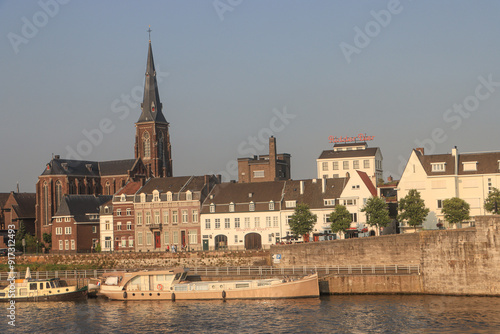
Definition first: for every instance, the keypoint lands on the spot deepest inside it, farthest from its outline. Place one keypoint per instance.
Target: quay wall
(371, 284)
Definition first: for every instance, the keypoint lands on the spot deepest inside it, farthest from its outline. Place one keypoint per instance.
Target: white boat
(172, 285)
(29, 289)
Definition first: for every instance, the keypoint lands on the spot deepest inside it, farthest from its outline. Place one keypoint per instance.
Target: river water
(328, 314)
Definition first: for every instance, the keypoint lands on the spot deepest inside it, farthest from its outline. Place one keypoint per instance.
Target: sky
(233, 72)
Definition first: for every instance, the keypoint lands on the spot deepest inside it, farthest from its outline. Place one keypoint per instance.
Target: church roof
(151, 105)
(79, 206)
(58, 166)
(116, 167)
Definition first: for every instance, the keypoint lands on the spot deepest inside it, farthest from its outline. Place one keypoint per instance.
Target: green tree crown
(412, 209)
(302, 221)
(492, 202)
(455, 210)
(377, 213)
(341, 219)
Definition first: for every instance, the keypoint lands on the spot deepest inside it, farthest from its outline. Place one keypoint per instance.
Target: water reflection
(334, 314)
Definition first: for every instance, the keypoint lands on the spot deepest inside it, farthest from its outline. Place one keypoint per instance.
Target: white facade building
(469, 176)
(345, 159)
(106, 227)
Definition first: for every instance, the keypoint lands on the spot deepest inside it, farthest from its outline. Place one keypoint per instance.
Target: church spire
(151, 105)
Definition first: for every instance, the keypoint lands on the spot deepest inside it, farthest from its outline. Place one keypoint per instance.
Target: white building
(106, 227)
(345, 159)
(469, 176)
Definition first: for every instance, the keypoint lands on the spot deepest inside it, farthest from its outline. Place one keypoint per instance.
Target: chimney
(272, 157)
(57, 157)
(454, 153)
(302, 187)
(420, 149)
(323, 185)
(389, 179)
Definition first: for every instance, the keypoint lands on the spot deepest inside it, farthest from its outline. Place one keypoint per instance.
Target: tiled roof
(487, 163)
(331, 154)
(116, 167)
(130, 188)
(26, 203)
(313, 194)
(165, 184)
(368, 182)
(80, 205)
(3, 199)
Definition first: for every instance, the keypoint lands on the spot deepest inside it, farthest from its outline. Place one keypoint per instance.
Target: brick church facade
(152, 154)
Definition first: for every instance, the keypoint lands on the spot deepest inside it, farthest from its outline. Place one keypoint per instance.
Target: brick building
(123, 217)
(272, 167)
(16, 209)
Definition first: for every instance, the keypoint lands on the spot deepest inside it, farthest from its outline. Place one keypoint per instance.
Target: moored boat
(29, 289)
(172, 285)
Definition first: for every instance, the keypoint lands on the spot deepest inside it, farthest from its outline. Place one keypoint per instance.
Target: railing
(397, 269)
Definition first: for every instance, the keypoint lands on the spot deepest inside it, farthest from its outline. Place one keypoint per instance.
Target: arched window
(45, 201)
(161, 151)
(58, 194)
(146, 142)
(107, 190)
(189, 195)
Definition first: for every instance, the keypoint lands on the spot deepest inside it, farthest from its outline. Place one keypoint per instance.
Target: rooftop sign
(361, 138)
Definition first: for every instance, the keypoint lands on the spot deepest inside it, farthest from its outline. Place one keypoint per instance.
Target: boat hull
(69, 296)
(306, 287)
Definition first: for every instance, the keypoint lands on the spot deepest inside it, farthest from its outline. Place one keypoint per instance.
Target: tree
(302, 221)
(492, 202)
(20, 235)
(455, 210)
(377, 213)
(47, 239)
(412, 209)
(341, 219)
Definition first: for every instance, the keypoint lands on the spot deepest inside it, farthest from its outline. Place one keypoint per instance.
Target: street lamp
(37, 248)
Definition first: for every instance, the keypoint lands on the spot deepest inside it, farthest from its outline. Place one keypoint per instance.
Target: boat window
(47, 285)
(183, 277)
(201, 287)
(41, 286)
(177, 276)
(32, 286)
(181, 288)
(2, 294)
(242, 285)
(52, 284)
(112, 280)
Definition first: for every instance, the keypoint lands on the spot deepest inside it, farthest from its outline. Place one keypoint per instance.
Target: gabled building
(19, 208)
(106, 227)
(167, 212)
(469, 176)
(345, 159)
(123, 217)
(242, 216)
(75, 226)
(321, 195)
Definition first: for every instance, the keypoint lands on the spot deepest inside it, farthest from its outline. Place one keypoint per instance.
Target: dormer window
(156, 196)
(169, 196)
(189, 195)
(291, 204)
(143, 198)
(231, 207)
(64, 165)
(106, 209)
(123, 198)
(212, 208)
(251, 207)
(271, 205)
(470, 166)
(438, 167)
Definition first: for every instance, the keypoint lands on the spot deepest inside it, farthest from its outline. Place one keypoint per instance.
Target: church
(152, 158)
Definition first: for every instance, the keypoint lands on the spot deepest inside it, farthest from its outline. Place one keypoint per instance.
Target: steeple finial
(149, 31)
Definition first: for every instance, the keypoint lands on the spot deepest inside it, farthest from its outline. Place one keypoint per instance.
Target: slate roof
(109, 204)
(26, 203)
(331, 154)
(487, 162)
(80, 205)
(116, 167)
(58, 166)
(313, 191)
(165, 184)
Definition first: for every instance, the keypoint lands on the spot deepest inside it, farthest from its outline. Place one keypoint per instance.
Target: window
(251, 206)
(58, 194)
(157, 217)
(189, 196)
(175, 237)
(72, 244)
(275, 221)
(59, 231)
(166, 238)
(366, 163)
(227, 223)
(217, 223)
(61, 245)
(291, 204)
(335, 165)
(349, 202)
(235, 239)
(143, 198)
(271, 206)
(270, 238)
(139, 218)
(129, 226)
(231, 207)
(207, 224)
(169, 196)
(67, 219)
(66, 244)
(324, 166)
(129, 212)
(193, 237)
(258, 173)
(490, 186)
(156, 196)
(184, 216)
(148, 217)
(165, 216)
(195, 216)
(438, 167)
(175, 218)
(470, 166)
(212, 207)
(345, 165)
(67, 230)
(439, 204)
(355, 164)
(146, 145)
(107, 243)
(236, 222)
(124, 242)
(247, 222)
(130, 241)
(139, 238)
(149, 238)
(119, 226)
(119, 212)
(107, 225)
(354, 217)
(123, 198)
(256, 222)
(355, 186)
(268, 221)
(329, 202)
(58, 220)
(94, 229)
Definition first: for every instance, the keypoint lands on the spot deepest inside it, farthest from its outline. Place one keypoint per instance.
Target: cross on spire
(149, 31)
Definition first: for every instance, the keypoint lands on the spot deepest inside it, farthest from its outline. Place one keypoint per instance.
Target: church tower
(152, 140)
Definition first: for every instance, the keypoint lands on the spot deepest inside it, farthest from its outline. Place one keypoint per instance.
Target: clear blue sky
(228, 68)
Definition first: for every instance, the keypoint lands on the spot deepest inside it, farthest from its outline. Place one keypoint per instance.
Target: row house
(123, 217)
(242, 216)
(167, 212)
(345, 159)
(106, 227)
(75, 226)
(469, 176)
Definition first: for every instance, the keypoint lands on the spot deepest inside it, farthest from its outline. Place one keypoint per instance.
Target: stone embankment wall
(152, 260)
(452, 262)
